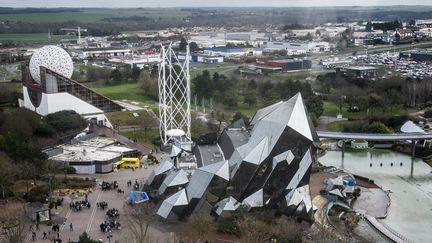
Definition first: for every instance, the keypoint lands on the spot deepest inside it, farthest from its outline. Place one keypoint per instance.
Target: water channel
(410, 212)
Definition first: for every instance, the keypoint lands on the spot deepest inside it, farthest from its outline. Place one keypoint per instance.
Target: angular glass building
(266, 165)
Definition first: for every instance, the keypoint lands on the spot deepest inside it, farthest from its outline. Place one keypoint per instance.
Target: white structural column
(174, 93)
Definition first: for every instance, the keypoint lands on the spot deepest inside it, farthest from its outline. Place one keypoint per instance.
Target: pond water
(410, 212)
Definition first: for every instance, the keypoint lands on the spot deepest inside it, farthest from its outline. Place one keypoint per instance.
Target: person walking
(71, 227)
(44, 235)
(33, 236)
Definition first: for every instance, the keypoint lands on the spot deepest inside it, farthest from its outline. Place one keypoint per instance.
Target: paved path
(88, 220)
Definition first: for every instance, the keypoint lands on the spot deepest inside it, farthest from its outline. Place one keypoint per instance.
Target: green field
(142, 137)
(93, 15)
(128, 91)
(332, 109)
(34, 38)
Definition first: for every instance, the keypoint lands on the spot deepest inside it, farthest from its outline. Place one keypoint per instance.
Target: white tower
(174, 95)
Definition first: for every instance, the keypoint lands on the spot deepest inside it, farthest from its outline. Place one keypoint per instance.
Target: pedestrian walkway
(387, 231)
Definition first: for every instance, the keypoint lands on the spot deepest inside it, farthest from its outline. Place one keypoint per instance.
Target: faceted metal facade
(270, 168)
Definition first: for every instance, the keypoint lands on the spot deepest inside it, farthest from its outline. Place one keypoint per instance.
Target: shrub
(45, 130)
(38, 194)
(228, 227)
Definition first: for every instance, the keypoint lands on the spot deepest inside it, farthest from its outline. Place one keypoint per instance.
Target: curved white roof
(175, 133)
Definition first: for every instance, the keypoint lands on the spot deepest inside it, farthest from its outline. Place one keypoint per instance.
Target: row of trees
(22, 135)
(232, 91)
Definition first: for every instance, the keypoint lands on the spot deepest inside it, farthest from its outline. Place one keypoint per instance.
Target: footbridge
(347, 136)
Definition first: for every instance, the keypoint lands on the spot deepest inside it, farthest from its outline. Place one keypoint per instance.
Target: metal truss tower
(174, 94)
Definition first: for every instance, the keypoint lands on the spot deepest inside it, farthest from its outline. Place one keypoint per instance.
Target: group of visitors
(102, 205)
(109, 185)
(78, 205)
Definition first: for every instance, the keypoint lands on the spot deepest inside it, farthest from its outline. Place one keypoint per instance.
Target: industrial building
(90, 155)
(201, 58)
(48, 88)
(358, 71)
(296, 48)
(266, 165)
(284, 65)
(102, 52)
(137, 60)
(417, 55)
(232, 52)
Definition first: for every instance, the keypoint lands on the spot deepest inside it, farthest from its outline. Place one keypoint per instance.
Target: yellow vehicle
(117, 165)
(134, 163)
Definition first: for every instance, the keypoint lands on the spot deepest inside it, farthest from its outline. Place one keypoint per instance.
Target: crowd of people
(78, 205)
(102, 205)
(106, 226)
(106, 186)
(112, 214)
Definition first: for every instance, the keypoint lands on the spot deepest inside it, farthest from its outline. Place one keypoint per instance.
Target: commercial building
(102, 52)
(358, 71)
(232, 52)
(284, 65)
(201, 58)
(417, 55)
(139, 60)
(266, 165)
(90, 155)
(296, 48)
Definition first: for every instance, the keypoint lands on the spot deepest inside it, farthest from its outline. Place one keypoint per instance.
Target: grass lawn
(126, 118)
(142, 138)
(244, 109)
(332, 109)
(33, 38)
(128, 91)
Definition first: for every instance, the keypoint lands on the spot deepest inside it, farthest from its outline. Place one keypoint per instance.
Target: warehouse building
(284, 65)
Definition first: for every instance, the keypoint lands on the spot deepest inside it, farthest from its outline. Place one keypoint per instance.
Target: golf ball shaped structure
(52, 57)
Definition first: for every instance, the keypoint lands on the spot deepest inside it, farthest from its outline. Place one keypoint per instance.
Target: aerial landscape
(215, 121)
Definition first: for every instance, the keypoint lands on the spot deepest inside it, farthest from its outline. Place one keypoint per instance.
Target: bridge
(346, 136)
(375, 136)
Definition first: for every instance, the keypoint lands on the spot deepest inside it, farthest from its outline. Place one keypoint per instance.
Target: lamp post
(109, 236)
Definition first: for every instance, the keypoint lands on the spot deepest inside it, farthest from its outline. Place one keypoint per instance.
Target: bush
(428, 113)
(378, 127)
(228, 227)
(65, 120)
(45, 130)
(70, 170)
(38, 194)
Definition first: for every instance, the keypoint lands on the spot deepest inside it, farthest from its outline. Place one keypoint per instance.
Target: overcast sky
(204, 3)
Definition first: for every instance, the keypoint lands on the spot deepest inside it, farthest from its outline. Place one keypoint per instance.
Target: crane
(78, 30)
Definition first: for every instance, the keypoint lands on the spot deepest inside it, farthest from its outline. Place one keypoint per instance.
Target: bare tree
(13, 222)
(202, 225)
(139, 218)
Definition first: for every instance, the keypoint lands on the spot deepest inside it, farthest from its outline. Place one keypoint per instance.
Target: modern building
(201, 58)
(266, 165)
(358, 71)
(233, 52)
(90, 155)
(296, 48)
(102, 52)
(48, 88)
(139, 60)
(417, 55)
(284, 65)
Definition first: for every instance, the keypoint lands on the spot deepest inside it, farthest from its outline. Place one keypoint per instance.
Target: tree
(369, 26)
(193, 46)
(139, 219)
(149, 85)
(251, 98)
(253, 230)
(202, 225)
(183, 44)
(7, 173)
(85, 238)
(116, 76)
(147, 122)
(13, 221)
(135, 73)
(378, 127)
(315, 105)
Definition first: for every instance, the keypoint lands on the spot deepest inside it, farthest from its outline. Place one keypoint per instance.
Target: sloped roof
(227, 204)
(255, 200)
(220, 169)
(303, 167)
(410, 127)
(174, 178)
(177, 199)
(286, 156)
(299, 195)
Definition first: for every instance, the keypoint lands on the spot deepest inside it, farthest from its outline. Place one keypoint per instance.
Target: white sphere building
(52, 57)
(48, 88)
